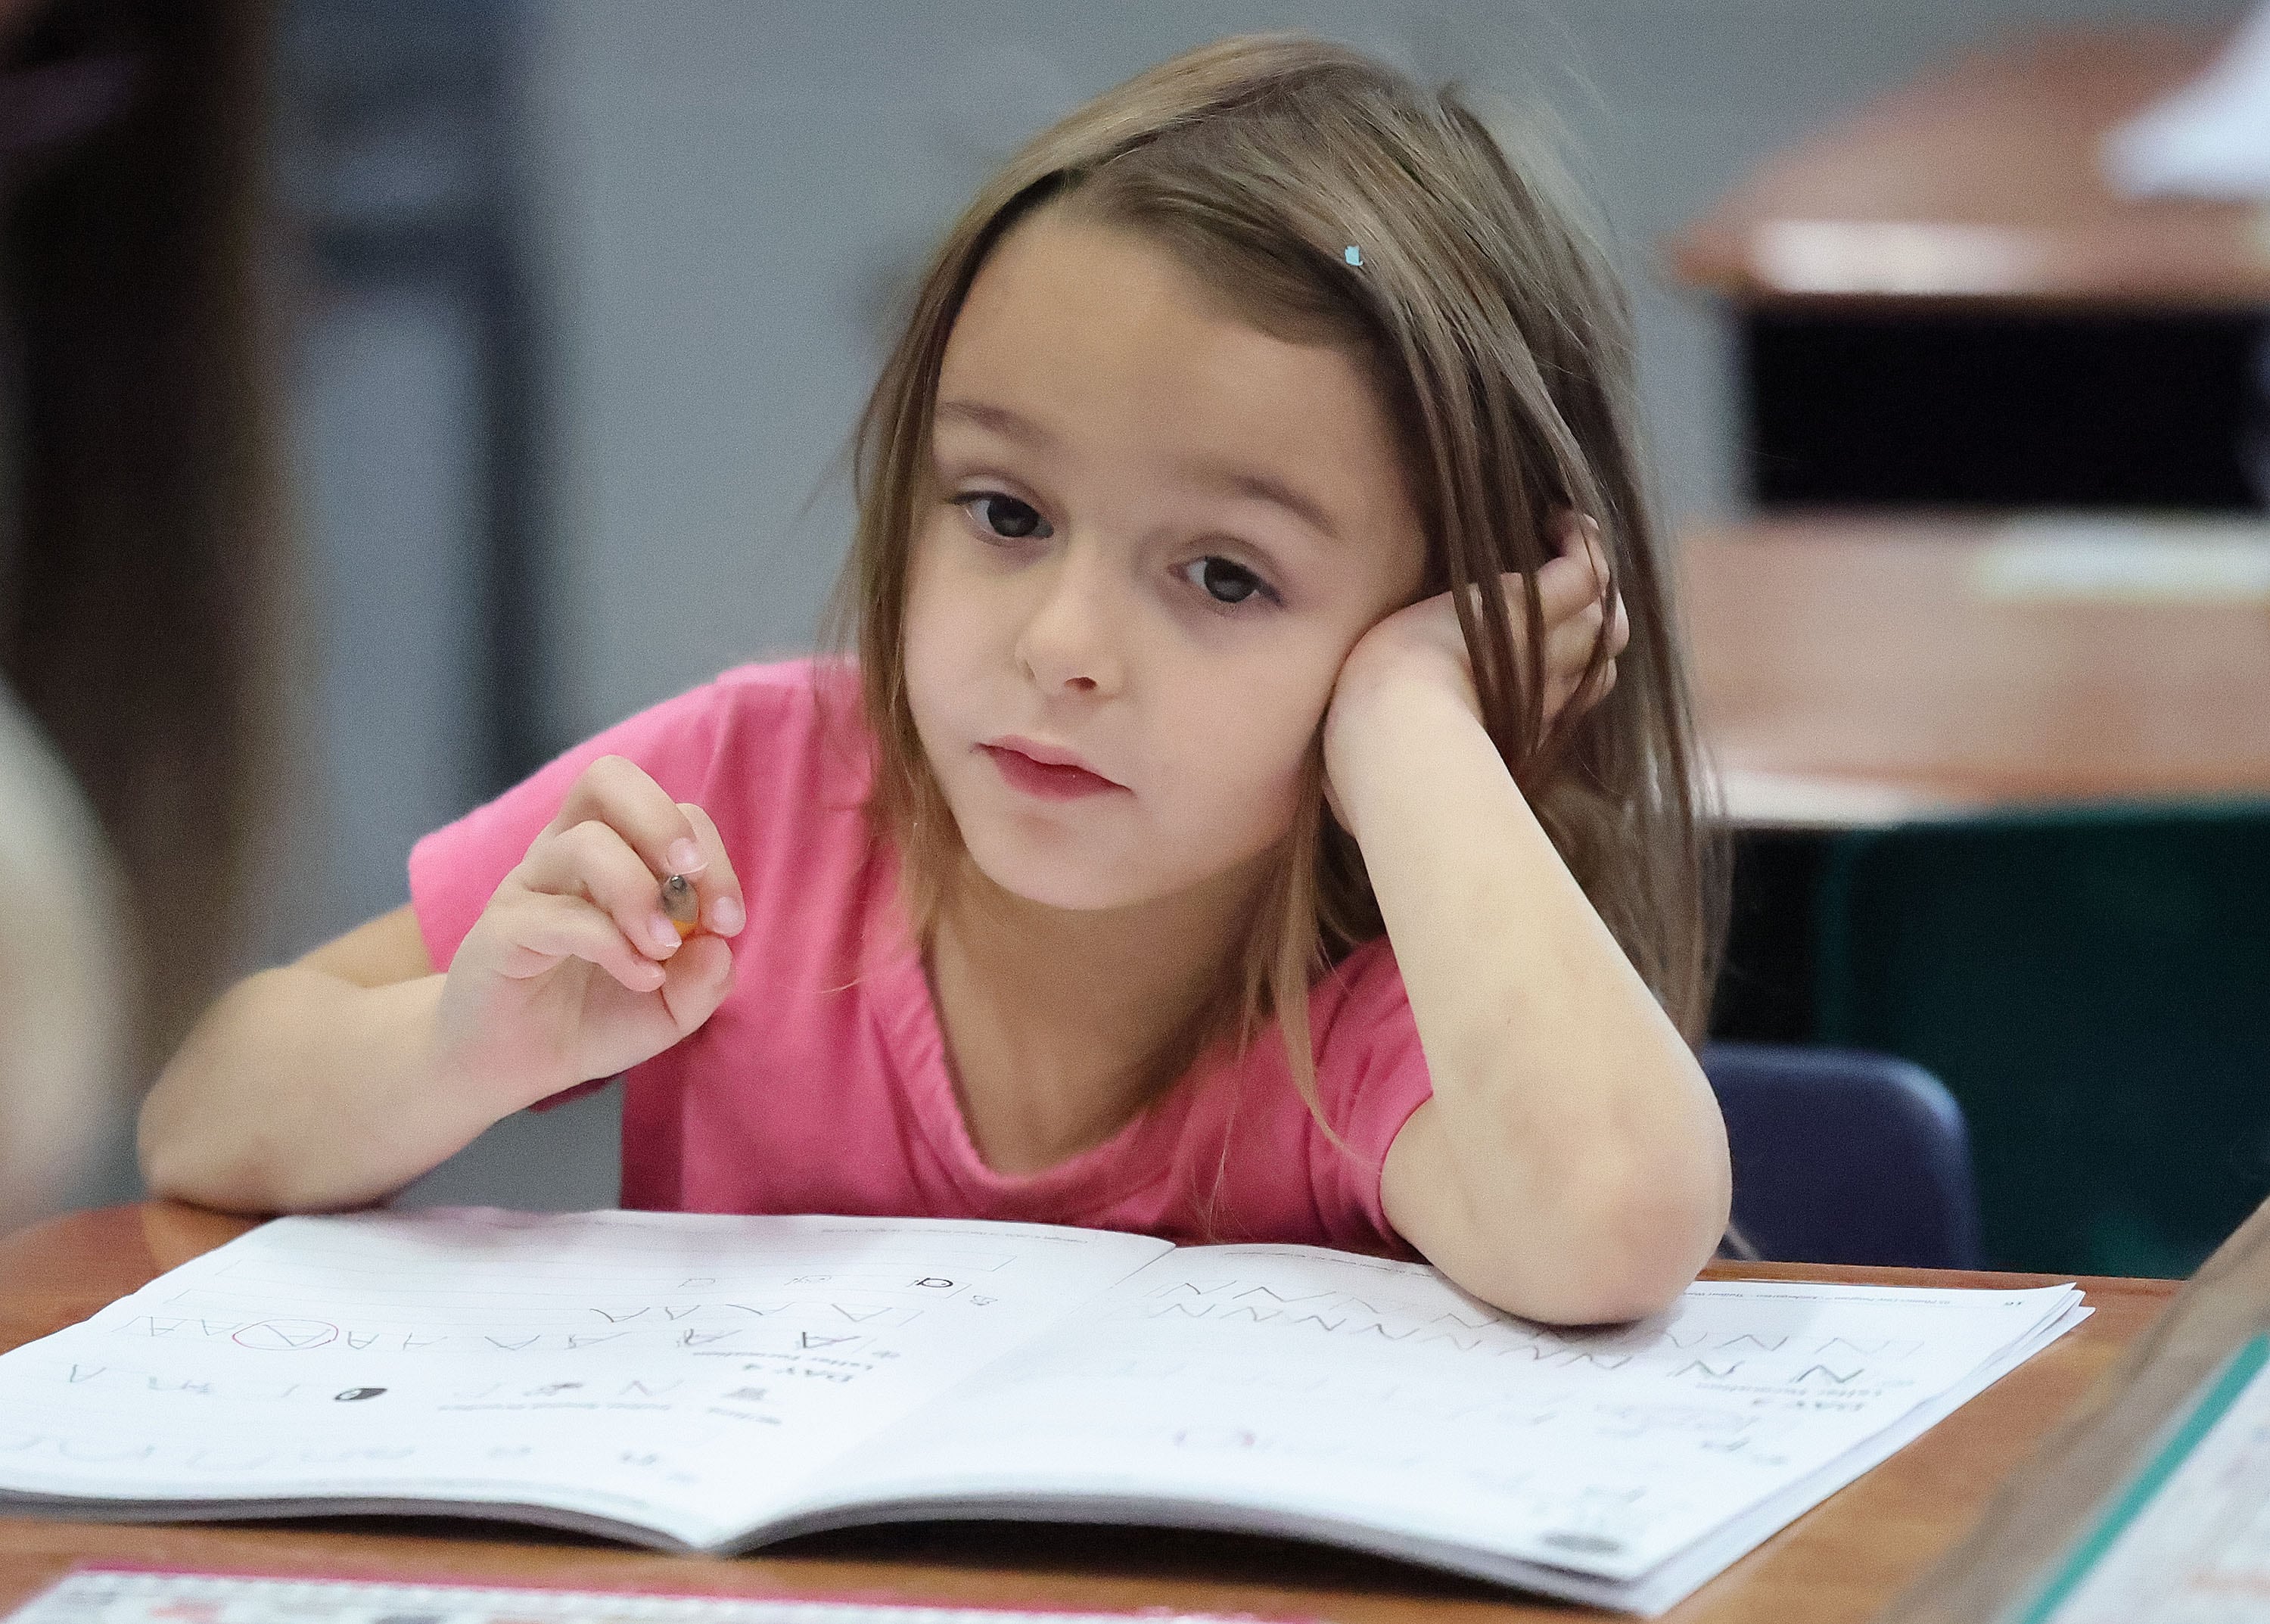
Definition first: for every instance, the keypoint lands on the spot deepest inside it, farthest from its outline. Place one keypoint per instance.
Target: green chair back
(2093, 986)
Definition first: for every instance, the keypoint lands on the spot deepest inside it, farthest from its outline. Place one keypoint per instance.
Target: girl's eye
(1225, 582)
(1008, 519)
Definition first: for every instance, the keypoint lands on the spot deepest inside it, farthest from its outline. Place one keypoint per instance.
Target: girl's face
(1154, 534)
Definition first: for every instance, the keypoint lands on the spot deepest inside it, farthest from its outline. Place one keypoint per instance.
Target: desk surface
(1849, 670)
(1980, 181)
(1843, 1560)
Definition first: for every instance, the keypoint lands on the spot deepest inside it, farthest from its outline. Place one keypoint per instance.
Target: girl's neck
(1057, 1021)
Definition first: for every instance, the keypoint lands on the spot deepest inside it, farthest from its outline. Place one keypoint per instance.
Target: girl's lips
(1038, 778)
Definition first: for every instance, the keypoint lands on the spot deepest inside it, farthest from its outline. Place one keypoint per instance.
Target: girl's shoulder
(1371, 1073)
(1364, 1040)
(799, 720)
(797, 684)
(791, 693)
(1257, 1162)
(1358, 997)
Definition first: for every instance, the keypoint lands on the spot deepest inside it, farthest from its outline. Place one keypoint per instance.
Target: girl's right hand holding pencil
(574, 971)
(333, 1081)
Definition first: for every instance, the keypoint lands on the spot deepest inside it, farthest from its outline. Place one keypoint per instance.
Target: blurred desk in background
(1942, 301)
(1852, 670)
(1979, 183)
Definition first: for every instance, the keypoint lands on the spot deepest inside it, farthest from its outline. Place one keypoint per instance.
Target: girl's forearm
(1584, 1142)
(300, 1091)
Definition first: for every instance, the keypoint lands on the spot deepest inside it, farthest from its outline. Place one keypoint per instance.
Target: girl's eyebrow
(1000, 420)
(1223, 476)
(1264, 487)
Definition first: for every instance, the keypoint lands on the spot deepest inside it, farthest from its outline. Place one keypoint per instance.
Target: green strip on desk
(2221, 1394)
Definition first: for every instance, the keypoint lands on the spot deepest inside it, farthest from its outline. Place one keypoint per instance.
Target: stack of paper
(2210, 139)
(127, 1596)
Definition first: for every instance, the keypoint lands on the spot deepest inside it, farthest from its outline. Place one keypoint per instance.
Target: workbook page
(1301, 1391)
(676, 1372)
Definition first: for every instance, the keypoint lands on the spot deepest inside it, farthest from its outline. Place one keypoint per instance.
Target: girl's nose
(1069, 642)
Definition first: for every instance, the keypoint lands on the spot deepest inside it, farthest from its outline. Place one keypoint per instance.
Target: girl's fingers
(1563, 588)
(541, 927)
(697, 981)
(1580, 612)
(1572, 530)
(1569, 652)
(724, 909)
(620, 794)
(591, 859)
(1569, 643)
(1574, 616)
(653, 839)
(1578, 541)
(1580, 534)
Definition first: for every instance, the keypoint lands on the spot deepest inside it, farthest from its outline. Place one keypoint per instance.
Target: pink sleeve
(1371, 1075)
(457, 869)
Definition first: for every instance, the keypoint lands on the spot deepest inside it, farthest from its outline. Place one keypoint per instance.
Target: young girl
(1248, 519)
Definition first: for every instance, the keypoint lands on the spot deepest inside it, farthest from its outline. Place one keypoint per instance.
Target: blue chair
(1844, 1156)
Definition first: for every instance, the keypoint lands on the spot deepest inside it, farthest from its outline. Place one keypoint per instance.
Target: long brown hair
(1499, 339)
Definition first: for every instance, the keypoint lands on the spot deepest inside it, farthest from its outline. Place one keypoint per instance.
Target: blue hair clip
(1352, 254)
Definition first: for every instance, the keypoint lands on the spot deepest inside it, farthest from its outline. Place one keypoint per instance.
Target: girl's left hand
(1578, 612)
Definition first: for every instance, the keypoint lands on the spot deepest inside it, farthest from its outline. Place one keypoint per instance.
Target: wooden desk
(1843, 1560)
(1857, 670)
(1980, 181)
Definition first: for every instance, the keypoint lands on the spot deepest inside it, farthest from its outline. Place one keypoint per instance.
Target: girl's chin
(1091, 885)
(1070, 894)
(1122, 870)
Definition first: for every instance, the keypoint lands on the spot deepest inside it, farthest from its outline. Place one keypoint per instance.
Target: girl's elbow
(1660, 1216)
(1651, 1249)
(1673, 1220)
(1630, 1276)
(197, 1151)
(1624, 1244)
(175, 1168)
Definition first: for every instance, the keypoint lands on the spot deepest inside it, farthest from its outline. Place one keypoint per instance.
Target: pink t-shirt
(820, 1084)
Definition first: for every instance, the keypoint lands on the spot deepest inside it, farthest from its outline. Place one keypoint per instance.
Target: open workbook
(716, 1383)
